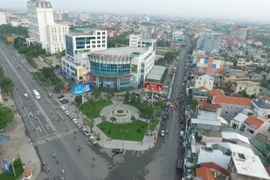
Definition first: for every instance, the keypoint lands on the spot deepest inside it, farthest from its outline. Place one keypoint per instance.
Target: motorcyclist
(74, 137)
(48, 168)
(54, 155)
(57, 161)
(94, 158)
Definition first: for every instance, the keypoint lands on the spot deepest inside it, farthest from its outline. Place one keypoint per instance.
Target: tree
(6, 116)
(152, 126)
(6, 85)
(113, 119)
(170, 56)
(133, 98)
(78, 100)
(126, 98)
(96, 92)
(132, 118)
(264, 84)
(103, 118)
(59, 86)
(89, 122)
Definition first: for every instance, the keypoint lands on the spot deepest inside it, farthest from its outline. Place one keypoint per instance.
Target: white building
(78, 47)
(3, 17)
(261, 108)
(237, 122)
(204, 80)
(244, 62)
(138, 40)
(42, 28)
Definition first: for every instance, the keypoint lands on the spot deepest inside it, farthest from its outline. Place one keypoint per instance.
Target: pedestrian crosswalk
(54, 137)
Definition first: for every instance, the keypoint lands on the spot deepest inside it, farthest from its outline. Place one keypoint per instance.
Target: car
(64, 102)
(18, 67)
(162, 132)
(165, 86)
(75, 121)
(117, 151)
(67, 112)
(79, 126)
(63, 108)
(26, 96)
(61, 96)
(50, 95)
(182, 133)
(71, 117)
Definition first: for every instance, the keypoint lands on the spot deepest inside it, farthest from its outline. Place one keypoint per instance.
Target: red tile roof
(232, 100)
(204, 173)
(214, 166)
(209, 106)
(252, 120)
(215, 92)
(203, 88)
(265, 98)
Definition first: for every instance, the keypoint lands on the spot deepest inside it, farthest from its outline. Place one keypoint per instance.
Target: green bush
(31, 61)
(18, 169)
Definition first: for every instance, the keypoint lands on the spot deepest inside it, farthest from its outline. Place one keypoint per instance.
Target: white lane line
(27, 114)
(30, 93)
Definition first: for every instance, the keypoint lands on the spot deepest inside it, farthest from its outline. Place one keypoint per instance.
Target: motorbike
(63, 171)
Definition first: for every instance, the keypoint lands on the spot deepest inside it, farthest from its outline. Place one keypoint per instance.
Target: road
(50, 136)
(156, 163)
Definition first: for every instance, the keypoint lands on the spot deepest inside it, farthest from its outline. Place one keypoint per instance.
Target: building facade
(249, 86)
(239, 32)
(209, 43)
(204, 80)
(42, 28)
(78, 47)
(3, 17)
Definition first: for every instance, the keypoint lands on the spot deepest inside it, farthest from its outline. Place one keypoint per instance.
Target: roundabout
(121, 112)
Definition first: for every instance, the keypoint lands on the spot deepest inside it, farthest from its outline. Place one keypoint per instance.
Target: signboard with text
(81, 89)
(153, 87)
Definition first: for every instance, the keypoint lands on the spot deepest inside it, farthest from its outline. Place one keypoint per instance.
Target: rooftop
(240, 117)
(261, 103)
(209, 106)
(122, 51)
(249, 165)
(156, 73)
(234, 136)
(205, 173)
(252, 120)
(207, 115)
(215, 92)
(206, 122)
(216, 167)
(232, 100)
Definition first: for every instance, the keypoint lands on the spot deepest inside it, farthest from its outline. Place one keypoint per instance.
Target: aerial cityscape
(140, 90)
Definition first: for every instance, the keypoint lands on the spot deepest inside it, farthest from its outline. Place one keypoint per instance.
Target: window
(103, 45)
(103, 33)
(98, 33)
(103, 37)
(93, 46)
(250, 131)
(98, 41)
(98, 37)
(226, 112)
(98, 45)
(103, 41)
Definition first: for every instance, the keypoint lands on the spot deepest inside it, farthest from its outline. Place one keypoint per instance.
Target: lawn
(163, 51)
(133, 131)
(92, 108)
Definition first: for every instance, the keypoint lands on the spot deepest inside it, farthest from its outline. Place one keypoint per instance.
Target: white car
(75, 121)
(71, 117)
(63, 108)
(162, 133)
(63, 98)
(67, 113)
(182, 133)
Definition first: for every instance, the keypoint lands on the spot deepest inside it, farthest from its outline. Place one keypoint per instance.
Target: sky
(253, 10)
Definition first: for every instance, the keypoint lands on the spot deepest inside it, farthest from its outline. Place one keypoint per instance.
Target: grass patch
(133, 131)
(120, 111)
(162, 52)
(18, 169)
(92, 108)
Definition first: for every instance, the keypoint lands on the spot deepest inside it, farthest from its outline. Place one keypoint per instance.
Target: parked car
(162, 132)
(61, 96)
(71, 117)
(67, 112)
(117, 151)
(50, 95)
(79, 126)
(182, 133)
(26, 96)
(63, 108)
(75, 121)
(64, 101)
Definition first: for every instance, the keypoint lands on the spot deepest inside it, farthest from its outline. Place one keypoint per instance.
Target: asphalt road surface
(156, 163)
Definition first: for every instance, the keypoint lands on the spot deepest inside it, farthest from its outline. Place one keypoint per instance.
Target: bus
(37, 95)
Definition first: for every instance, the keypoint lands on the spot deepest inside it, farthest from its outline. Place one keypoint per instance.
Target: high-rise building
(42, 28)
(3, 16)
(239, 32)
(209, 43)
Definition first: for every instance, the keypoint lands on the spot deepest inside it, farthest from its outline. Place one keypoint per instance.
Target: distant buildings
(3, 17)
(239, 32)
(42, 28)
(209, 43)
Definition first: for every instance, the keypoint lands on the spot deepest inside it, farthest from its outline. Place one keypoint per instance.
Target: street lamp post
(13, 167)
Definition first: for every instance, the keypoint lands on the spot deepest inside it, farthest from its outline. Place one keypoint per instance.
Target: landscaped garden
(92, 108)
(133, 131)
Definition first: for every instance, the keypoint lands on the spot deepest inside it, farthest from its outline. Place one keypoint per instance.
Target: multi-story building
(231, 106)
(3, 17)
(239, 32)
(209, 65)
(42, 28)
(204, 80)
(250, 87)
(78, 46)
(209, 43)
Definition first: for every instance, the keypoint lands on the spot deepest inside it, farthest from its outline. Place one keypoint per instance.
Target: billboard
(6, 167)
(153, 87)
(81, 89)
(134, 68)
(80, 72)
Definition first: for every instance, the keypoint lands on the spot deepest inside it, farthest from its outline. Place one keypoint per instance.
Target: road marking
(52, 137)
(47, 126)
(30, 93)
(38, 128)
